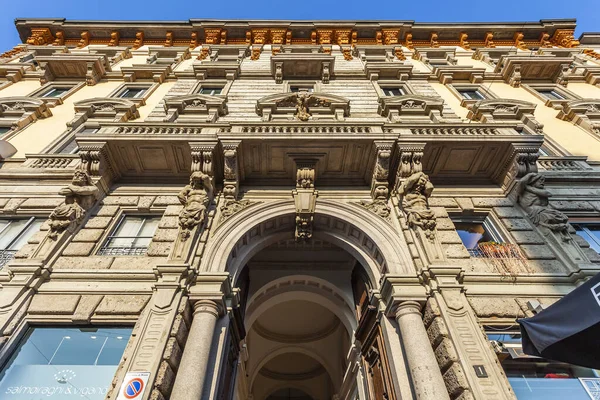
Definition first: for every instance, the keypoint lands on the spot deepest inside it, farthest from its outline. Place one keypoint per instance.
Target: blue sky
(587, 12)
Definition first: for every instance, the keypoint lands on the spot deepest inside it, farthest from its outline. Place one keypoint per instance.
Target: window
(4, 130)
(476, 230)
(534, 378)
(131, 237)
(55, 92)
(471, 94)
(70, 148)
(132, 92)
(393, 91)
(551, 94)
(210, 90)
(591, 234)
(64, 363)
(14, 233)
(297, 89)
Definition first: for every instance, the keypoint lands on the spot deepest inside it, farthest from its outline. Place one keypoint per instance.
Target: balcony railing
(6, 256)
(123, 251)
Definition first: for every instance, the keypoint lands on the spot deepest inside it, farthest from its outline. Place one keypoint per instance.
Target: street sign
(133, 386)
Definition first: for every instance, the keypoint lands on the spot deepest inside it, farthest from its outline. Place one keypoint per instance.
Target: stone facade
(306, 183)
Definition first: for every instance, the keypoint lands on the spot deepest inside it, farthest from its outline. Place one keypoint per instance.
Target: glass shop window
(210, 90)
(551, 94)
(474, 231)
(14, 233)
(55, 92)
(591, 234)
(470, 94)
(132, 236)
(393, 91)
(64, 363)
(132, 92)
(534, 378)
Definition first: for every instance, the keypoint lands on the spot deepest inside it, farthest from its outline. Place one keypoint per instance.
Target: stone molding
(585, 113)
(409, 107)
(509, 110)
(194, 107)
(313, 106)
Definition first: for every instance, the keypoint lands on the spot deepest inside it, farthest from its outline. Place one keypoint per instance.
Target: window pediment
(507, 110)
(23, 108)
(119, 110)
(585, 113)
(195, 106)
(303, 106)
(450, 73)
(409, 106)
(387, 70)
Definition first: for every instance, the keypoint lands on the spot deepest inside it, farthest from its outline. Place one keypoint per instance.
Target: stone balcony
(451, 153)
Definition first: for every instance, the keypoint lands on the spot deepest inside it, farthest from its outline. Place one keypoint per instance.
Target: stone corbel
(525, 160)
(231, 177)
(411, 155)
(585, 113)
(305, 198)
(515, 78)
(506, 110)
(380, 178)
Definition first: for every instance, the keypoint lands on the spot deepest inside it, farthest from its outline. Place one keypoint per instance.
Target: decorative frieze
(303, 106)
(585, 113)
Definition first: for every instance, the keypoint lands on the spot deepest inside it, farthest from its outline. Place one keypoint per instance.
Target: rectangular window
(132, 236)
(70, 148)
(14, 233)
(132, 93)
(471, 94)
(551, 94)
(210, 90)
(56, 92)
(4, 130)
(534, 378)
(393, 91)
(473, 231)
(591, 234)
(64, 363)
(297, 89)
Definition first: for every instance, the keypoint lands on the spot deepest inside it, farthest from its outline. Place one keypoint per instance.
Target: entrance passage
(302, 303)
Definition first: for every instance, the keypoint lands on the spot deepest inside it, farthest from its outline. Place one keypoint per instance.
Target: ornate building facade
(293, 210)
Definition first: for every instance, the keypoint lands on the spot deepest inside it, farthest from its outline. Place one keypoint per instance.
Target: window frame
(104, 250)
(50, 321)
(54, 101)
(490, 224)
(457, 88)
(6, 255)
(305, 84)
(534, 89)
(381, 85)
(224, 84)
(586, 221)
(140, 101)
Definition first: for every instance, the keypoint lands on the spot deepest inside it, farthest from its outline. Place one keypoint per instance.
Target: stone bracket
(410, 161)
(381, 170)
(231, 173)
(305, 197)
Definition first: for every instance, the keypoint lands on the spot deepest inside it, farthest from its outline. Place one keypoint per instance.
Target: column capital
(408, 307)
(207, 306)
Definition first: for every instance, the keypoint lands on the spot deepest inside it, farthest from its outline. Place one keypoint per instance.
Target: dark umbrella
(568, 330)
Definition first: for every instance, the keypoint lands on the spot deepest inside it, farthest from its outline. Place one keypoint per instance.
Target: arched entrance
(302, 302)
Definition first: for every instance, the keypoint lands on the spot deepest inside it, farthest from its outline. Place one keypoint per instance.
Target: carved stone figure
(415, 192)
(533, 197)
(80, 195)
(302, 102)
(195, 198)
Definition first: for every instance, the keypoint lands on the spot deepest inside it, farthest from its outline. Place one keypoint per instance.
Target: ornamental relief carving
(195, 198)
(585, 113)
(414, 194)
(303, 106)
